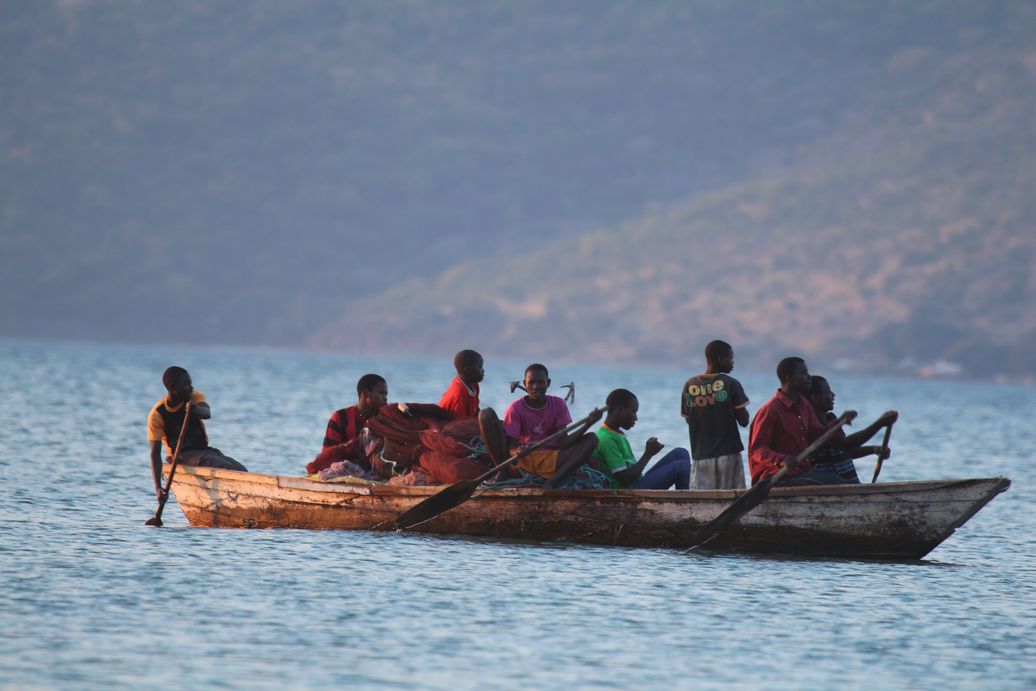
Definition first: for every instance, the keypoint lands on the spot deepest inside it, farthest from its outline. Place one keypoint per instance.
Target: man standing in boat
(166, 419)
(714, 404)
(784, 427)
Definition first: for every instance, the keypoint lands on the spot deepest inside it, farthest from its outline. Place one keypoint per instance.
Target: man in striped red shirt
(345, 424)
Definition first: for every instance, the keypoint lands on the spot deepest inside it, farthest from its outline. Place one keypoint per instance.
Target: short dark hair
(815, 380)
(539, 367)
(787, 366)
(367, 383)
(171, 374)
(465, 358)
(619, 398)
(717, 349)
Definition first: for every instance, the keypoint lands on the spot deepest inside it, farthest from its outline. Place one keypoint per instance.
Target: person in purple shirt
(534, 417)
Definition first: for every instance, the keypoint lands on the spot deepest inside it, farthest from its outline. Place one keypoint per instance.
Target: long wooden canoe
(896, 520)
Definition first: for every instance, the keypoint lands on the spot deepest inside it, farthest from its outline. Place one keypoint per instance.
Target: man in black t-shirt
(714, 404)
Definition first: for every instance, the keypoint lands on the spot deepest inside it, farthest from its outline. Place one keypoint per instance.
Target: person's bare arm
(201, 410)
(424, 409)
(576, 434)
(861, 451)
(859, 438)
(156, 465)
(741, 415)
(630, 475)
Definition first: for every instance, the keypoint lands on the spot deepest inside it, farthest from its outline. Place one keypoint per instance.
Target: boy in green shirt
(615, 455)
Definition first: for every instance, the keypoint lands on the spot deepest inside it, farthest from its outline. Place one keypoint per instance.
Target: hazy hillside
(245, 172)
(906, 237)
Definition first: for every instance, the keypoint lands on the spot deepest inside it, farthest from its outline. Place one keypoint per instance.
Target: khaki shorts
(722, 472)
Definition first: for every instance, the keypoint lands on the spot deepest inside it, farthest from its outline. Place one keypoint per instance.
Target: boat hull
(904, 520)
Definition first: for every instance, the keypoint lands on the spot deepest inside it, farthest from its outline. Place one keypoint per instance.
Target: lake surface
(93, 598)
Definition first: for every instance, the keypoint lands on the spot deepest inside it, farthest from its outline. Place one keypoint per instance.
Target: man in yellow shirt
(167, 417)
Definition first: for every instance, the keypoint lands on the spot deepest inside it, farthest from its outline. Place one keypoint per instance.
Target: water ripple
(93, 598)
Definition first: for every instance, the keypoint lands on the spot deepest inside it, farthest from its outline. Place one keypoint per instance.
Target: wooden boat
(896, 520)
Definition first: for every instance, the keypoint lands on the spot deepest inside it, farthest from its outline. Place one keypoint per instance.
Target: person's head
(720, 356)
(178, 383)
(794, 375)
(469, 366)
(537, 381)
(820, 394)
(622, 408)
(372, 391)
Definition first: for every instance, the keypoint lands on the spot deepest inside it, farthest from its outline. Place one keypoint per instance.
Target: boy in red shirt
(461, 396)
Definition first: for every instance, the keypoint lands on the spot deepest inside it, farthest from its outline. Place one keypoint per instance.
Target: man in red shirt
(346, 423)
(461, 397)
(784, 427)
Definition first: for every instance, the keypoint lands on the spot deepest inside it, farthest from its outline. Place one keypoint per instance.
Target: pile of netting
(420, 447)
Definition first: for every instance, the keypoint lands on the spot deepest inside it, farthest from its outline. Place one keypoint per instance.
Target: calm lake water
(93, 598)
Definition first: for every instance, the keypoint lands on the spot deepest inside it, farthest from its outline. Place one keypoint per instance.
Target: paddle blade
(745, 503)
(436, 504)
(155, 521)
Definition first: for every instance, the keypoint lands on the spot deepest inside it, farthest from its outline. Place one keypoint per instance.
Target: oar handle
(881, 452)
(459, 492)
(532, 447)
(847, 417)
(777, 476)
(176, 460)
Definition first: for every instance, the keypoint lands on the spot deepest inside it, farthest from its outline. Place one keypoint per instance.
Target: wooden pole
(156, 520)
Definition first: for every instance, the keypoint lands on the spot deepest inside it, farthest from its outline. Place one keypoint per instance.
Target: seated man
(461, 397)
(839, 456)
(377, 438)
(615, 455)
(533, 418)
(784, 427)
(167, 418)
(345, 424)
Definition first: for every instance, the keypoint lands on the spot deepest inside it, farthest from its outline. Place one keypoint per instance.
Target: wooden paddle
(761, 490)
(881, 452)
(156, 520)
(459, 492)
